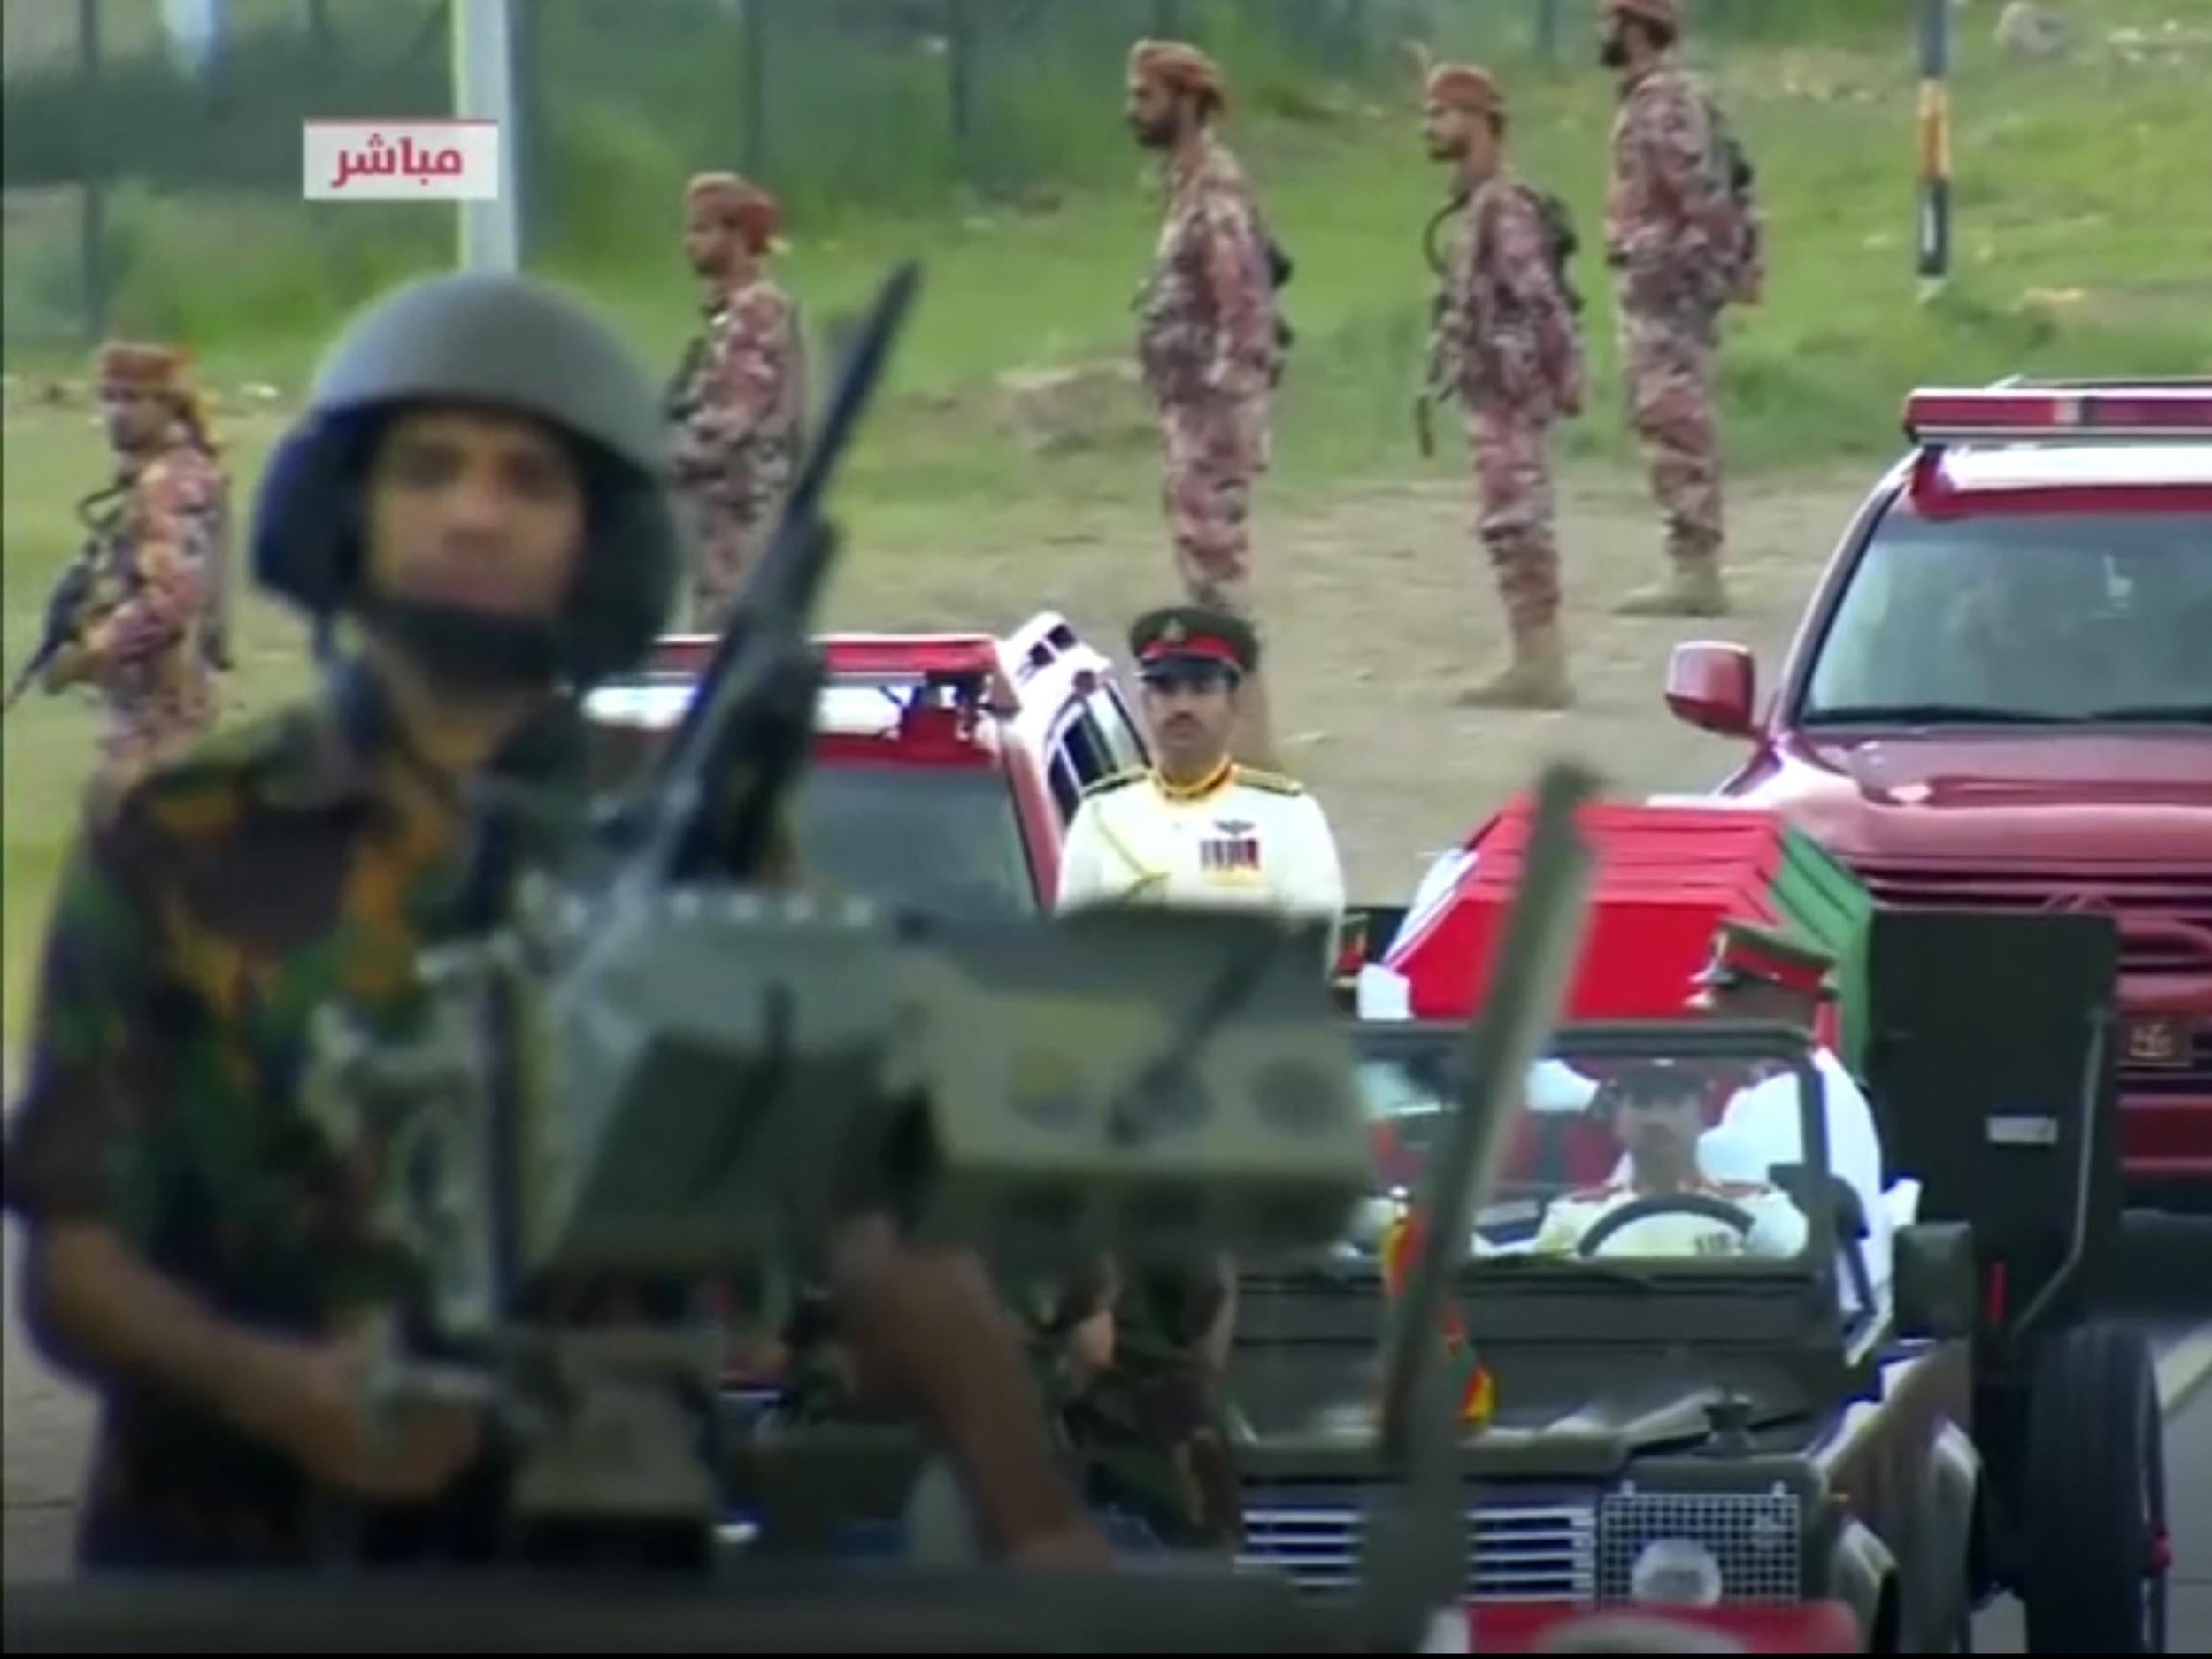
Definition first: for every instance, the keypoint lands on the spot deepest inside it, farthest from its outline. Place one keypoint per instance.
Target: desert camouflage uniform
(739, 405)
(197, 929)
(1513, 354)
(1147, 1438)
(1208, 347)
(143, 647)
(1667, 219)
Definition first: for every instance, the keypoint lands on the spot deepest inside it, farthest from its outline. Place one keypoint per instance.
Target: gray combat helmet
(499, 341)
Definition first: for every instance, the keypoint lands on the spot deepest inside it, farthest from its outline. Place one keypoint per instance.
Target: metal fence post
(528, 141)
(94, 150)
(960, 88)
(1935, 142)
(755, 80)
(1547, 30)
(483, 87)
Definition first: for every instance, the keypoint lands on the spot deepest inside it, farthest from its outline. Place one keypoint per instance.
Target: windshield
(939, 840)
(2023, 620)
(924, 839)
(1647, 1160)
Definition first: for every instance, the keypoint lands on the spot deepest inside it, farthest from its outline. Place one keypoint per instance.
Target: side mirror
(1936, 1288)
(1709, 686)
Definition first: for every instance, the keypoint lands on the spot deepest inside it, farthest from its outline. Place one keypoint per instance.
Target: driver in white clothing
(1665, 1205)
(1758, 972)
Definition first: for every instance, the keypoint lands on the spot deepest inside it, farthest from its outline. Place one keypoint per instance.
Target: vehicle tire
(2095, 1571)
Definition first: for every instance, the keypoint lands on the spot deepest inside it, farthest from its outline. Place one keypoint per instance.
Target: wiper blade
(1914, 713)
(2177, 713)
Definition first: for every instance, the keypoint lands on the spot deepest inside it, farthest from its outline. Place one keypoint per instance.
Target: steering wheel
(1652, 1204)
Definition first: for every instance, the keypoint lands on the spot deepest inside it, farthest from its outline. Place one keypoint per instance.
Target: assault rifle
(68, 604)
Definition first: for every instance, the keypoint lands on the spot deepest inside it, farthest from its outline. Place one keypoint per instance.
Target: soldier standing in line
(1682, 243)
(1208, 340)
(154, 564)
(1507, 346)
(739, 399)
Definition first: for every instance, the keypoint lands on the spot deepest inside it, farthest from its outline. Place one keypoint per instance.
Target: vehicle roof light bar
(1939, 415)
(888, 659)
(887, 656)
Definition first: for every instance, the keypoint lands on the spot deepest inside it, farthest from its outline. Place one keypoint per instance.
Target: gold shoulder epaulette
(1273, 782)
(1117, 780)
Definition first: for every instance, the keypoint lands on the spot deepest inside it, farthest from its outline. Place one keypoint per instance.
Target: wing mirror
(1709, 686)
(1937, 1287)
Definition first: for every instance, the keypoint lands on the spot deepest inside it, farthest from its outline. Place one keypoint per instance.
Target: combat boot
(1693, 589)
(1535, 678)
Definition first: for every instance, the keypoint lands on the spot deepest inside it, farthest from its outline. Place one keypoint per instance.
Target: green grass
(2080, 239)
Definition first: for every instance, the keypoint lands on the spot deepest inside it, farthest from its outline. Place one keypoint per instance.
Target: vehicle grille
(2135, 899)
(1756, 1537)
(1518, 1552)
(2165, 929)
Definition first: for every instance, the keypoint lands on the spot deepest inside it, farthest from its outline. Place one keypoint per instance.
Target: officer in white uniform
(1658, 1111)
(1197, 829)
(1758, 972)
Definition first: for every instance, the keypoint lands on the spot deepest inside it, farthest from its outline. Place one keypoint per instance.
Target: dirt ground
(1375, 606)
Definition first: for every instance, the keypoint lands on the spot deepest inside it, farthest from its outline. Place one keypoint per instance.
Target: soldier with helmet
(149, 632)
(739, 400)
(1509, 348)
(475, 491)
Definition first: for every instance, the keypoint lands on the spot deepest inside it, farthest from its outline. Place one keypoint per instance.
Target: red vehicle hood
(2004, 799)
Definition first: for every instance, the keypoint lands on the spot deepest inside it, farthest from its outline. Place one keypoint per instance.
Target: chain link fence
(136, 170)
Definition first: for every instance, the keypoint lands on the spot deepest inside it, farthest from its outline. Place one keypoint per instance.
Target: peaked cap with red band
(1745, 952)
(1185, 635)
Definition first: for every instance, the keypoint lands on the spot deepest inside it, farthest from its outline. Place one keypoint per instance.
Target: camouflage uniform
(739, 403)
(1208, 346)
(144, 647)
(197, 929)
(1513, 354)
(1667, 218)
(1146, 1437)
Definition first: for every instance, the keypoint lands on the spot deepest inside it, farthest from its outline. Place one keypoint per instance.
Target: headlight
(1677, 1572)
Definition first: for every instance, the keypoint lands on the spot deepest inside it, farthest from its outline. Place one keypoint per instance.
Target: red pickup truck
(2002, 696)
(946, 769)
